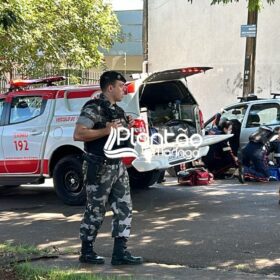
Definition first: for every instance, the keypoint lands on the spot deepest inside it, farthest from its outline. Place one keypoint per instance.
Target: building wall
(182, 34)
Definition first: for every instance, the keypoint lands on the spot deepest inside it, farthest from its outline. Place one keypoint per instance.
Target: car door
(258, 115)
(24, 134)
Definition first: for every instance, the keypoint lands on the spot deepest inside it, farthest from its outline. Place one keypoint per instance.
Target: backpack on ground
(195, 177)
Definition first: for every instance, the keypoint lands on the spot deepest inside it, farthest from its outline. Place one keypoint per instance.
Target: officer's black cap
(109, 77)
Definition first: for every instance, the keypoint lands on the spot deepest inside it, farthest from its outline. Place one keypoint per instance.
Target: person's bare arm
(85, 134)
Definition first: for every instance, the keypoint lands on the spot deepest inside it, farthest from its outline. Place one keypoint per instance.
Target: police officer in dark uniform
(275, 146)
(106, 179)
(255, 155)
(220, 157)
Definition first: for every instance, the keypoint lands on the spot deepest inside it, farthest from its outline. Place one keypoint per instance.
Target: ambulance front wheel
(68, 180)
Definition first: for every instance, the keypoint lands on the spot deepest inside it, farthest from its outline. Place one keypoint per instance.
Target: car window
(236, 112)
(264, 114)
(25, 108)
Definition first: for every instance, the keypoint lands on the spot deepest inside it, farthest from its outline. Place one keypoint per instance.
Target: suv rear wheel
(171, 171)
(68, 180)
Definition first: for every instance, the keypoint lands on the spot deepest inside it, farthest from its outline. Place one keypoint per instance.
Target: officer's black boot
(240, 176)
(88, 255)
(121, 255)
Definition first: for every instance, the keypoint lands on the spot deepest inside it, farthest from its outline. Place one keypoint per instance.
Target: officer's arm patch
(85, 122)
(90, 115)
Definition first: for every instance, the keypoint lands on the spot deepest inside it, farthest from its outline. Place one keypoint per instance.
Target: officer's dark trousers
(275, 145)
(106, 183)
(254, 161)
(219, 166)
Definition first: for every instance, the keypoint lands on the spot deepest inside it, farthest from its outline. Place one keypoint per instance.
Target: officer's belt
(100, 159)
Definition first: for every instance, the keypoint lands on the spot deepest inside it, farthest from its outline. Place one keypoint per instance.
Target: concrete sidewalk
(147, 271)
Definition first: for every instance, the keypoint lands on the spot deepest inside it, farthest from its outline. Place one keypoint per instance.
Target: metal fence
(73, 76)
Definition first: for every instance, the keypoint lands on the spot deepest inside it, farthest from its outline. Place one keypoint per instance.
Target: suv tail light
(139, 126)
(128, 160)
(201, 121)
(130, 88)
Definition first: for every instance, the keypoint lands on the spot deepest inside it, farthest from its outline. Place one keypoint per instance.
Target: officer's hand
(117, 123)
(130, 121)
(113, 124)
(236, 161)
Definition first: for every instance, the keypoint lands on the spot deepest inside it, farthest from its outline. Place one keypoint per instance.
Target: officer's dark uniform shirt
(95, 114)
(220, 155)
(275, 148)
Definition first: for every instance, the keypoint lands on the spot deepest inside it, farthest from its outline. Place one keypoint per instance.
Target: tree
(61, 33)
(253, 4)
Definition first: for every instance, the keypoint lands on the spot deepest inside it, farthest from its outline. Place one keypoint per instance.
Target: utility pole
(250, 55)
(145, 36)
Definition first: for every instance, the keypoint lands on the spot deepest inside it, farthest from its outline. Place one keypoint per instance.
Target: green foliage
(18, 249)
(31, 271)
(61, 33)
(252, 5)
(28, 272)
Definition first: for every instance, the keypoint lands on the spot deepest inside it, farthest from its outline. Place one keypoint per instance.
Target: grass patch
(21, 249)
(243, 267)
(69, 251)
(27, 272)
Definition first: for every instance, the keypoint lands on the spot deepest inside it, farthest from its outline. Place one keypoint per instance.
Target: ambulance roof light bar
(49, 81)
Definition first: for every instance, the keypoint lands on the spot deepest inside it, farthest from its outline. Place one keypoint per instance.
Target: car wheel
(171, 171)
(142, 180)
(68, 180)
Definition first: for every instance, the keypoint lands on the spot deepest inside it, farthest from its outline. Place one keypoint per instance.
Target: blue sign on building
(249, 30)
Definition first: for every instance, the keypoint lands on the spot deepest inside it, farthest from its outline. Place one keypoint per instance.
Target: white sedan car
(251, 113)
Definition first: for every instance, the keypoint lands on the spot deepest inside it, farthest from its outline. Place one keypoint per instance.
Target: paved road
(225, 225)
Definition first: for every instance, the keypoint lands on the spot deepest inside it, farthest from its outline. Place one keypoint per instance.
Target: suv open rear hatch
(175, 74)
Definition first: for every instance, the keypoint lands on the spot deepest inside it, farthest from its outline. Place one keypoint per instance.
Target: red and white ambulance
(37, 124)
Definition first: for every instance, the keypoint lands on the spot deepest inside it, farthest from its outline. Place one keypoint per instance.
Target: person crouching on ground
(255, 155)
(220, 157)
(274, 146)
(106, 179)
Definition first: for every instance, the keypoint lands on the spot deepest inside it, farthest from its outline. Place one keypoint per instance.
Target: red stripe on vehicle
(2, 167)
(23, 166)
(45, 166)
(45, 94)
(77, 94)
